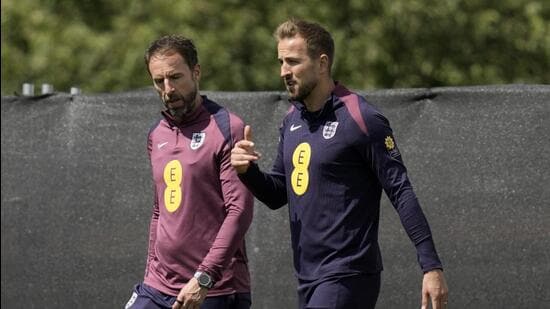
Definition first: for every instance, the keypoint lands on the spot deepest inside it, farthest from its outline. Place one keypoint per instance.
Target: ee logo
(173, 174)
(300, 176)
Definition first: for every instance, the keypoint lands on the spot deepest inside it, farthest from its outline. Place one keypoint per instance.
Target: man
(196, 256)
(336, 153)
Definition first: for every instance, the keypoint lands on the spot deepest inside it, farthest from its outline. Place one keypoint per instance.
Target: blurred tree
(98, 45)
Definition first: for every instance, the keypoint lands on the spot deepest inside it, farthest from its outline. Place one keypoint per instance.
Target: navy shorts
(146, 297)
(350, 292)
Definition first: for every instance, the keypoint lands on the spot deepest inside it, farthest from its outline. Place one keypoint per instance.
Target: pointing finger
(247, 133)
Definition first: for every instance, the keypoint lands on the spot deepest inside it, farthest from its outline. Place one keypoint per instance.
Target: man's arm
(270, 188)
(390, 170)
(389, 167)
(239, 211)
(154, 217)
(238, 204)
(152, 233)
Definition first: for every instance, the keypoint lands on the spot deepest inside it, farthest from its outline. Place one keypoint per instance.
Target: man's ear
(324, 63)
(197, 71)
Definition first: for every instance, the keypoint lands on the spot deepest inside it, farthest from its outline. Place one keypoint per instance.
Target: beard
(187, 106)
(302, 92)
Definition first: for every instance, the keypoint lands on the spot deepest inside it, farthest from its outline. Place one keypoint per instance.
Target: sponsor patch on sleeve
(391, 147)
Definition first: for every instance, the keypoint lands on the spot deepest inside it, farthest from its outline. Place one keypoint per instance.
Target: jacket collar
(331, 103)
(190, 119)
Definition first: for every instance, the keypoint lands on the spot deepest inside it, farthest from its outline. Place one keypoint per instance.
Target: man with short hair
(201, 212)
(335, 156)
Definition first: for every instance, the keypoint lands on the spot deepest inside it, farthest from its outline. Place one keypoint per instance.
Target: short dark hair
(177, 43)
(318, 39)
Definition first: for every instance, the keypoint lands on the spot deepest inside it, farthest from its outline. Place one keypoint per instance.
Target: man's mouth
(290, 83)
(172, 100)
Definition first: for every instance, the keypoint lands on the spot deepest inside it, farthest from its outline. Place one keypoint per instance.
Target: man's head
(305, 52)
(173, 65)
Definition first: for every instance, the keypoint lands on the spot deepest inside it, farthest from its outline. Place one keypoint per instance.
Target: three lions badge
(197, 140)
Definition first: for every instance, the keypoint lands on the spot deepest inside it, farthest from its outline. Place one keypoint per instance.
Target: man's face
(175, 82)
(299, 72)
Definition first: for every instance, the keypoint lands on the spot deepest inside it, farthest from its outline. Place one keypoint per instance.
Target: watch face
(205, 280)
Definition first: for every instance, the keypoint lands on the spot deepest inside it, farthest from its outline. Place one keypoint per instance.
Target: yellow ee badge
(390, 146)
(173, 176)
(300, 174)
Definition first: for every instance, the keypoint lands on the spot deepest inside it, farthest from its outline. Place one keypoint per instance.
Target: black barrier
(76, 196)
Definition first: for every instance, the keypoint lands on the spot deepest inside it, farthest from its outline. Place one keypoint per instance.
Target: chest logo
(294, 128)
(160, 145)
(197, 140)
(173, 176)
(300, 174)
(329, 129)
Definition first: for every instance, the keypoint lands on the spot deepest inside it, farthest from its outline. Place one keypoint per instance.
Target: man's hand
(191, 296)
(435, 288)
(243, 153)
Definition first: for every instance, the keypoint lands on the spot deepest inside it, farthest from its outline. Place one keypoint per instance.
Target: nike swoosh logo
(294, 128)
(159, 146)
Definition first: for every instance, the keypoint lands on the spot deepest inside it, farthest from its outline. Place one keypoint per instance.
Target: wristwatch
(204, 279)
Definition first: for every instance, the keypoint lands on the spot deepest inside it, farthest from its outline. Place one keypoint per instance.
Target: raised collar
(331, 103)
(190, 119)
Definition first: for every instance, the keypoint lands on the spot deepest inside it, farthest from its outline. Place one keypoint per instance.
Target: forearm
(415, 224)
(268, 188)
(229, 239)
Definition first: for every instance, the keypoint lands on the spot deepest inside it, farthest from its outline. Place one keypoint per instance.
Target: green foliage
(98, 45)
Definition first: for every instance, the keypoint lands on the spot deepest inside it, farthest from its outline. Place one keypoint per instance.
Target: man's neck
(317, 98)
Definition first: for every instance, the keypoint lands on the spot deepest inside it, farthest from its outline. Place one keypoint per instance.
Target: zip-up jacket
(201, 209)
(331, 168)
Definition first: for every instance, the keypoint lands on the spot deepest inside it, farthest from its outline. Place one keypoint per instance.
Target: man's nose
(285, 71)
(168, 86)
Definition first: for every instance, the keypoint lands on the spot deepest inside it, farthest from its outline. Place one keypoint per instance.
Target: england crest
(197, 140)
(329, 129)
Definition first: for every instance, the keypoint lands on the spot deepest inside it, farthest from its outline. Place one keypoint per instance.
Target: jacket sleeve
(152, 234)
(388, 166)
(154, 220)
(238, 202)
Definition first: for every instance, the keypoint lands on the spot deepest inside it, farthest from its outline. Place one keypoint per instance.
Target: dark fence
(76, 196)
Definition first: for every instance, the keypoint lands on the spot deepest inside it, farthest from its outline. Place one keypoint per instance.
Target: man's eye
(158, 81)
